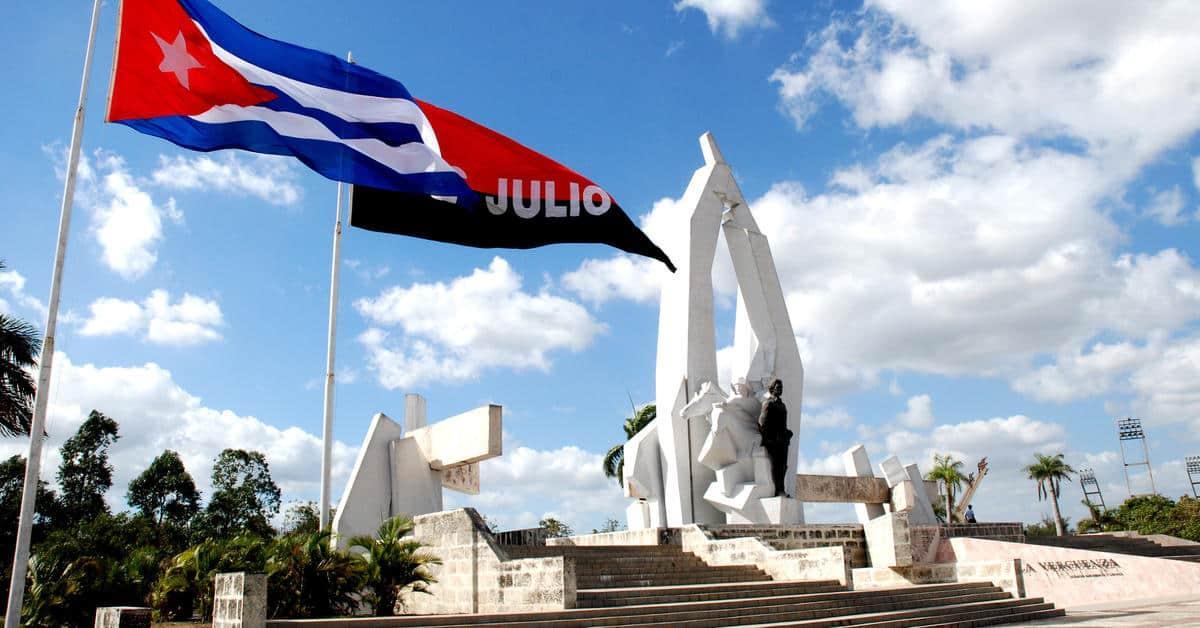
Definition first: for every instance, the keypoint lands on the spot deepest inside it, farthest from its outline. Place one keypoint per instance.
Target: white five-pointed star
(176, 58)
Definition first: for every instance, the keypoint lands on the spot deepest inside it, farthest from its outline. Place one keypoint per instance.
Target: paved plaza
(1137, 614)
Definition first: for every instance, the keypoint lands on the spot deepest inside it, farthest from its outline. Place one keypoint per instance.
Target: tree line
(164, 551)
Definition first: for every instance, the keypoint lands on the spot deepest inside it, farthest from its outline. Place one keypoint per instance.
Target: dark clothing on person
(776, 437)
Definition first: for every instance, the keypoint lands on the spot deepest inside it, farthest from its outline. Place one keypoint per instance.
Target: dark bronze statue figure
(772, 425)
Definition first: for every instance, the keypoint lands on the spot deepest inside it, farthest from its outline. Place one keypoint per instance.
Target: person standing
(969, 516)
(776, 437)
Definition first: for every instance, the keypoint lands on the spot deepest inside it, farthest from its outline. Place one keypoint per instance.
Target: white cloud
(156, 413)
(269, 178)
(1121, 85)
(1166, 207)
(1078, 375)
(956, 257)
(918, 413)
(126, 221)
(14, 283)
(622, 276)
(524, 485)
(730, 17)
(1167, 388)
(836, 417)
(454, 331)
(1007, 442)
(192, 320)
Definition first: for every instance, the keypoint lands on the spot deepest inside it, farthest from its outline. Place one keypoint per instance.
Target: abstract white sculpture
(764, 348)
(744, 489)
(402, 471)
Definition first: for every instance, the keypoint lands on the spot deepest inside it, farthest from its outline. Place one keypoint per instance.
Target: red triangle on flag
(165, 66)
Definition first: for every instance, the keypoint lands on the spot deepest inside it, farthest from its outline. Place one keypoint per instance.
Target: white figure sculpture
(403, 470)
(743, 489)
(764, 343)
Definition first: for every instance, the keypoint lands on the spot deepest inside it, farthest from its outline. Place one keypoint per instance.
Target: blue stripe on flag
(303, 64)
(390, 133)
(333, 160)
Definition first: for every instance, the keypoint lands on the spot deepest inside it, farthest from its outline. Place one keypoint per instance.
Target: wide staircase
(1134, 546)
(664, 586)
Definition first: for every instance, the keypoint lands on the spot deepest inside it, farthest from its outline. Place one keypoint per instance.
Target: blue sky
(985, 222)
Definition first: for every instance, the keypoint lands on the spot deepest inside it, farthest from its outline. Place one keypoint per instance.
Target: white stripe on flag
(410, 158)
(345, 105)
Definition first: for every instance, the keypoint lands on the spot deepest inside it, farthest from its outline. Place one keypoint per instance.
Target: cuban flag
(188, 73)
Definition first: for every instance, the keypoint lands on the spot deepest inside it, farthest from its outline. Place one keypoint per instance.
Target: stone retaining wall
(477, 576)
(1071, 578)
(645, 536)
(814, 563)
(802, 536)
(1005, 573)
(929, 546)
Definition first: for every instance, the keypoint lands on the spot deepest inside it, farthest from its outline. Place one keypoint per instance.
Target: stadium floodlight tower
(1091, 488)
(1130, 429)
(1193, 469)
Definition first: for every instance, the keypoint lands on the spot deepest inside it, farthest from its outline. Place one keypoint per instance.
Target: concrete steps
(663, 586)
(1120, 545)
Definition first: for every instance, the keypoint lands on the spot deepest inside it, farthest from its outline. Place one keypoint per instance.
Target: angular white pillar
(687, 352)
(859, 464)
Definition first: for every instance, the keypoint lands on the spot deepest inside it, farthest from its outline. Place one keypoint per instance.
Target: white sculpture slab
(404, 473)
(686, 340)
(922, 512)
(642, 472)
(893, 471)
(859, 463)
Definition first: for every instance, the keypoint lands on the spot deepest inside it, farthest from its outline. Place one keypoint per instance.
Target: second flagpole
(330, 350)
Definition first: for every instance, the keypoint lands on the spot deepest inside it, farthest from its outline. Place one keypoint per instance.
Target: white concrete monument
(403, 470)
(686, 374)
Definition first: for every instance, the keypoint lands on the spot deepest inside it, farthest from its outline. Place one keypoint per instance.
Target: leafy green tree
(1046, 527)
(1098, 520)
(614, 460)
(1049, 472)
(307, 577)
(948, 472)
(165, 491)
(244, 496)
(555, 528)
(12, 483)
(185, 587)
(19, 347)
(610, 525)
(303, 517)
(85, 474)
(105, 561)
(392, 562)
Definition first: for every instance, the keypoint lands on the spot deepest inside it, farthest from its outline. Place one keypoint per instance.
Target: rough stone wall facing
(476, 575)
(239, 600)
(814, 563)
(850, 537)
(644, 536)
(929, 541)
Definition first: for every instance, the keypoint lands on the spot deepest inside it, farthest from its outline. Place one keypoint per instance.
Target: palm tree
(948, 471)
(1049, 472)
(1099, 520)
(391, 562)
(307, 577)
(19, 348)
(614, 460)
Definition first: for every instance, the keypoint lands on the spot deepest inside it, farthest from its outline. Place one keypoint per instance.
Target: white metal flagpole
(327, 432)
(331, 345)
(16, 588)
